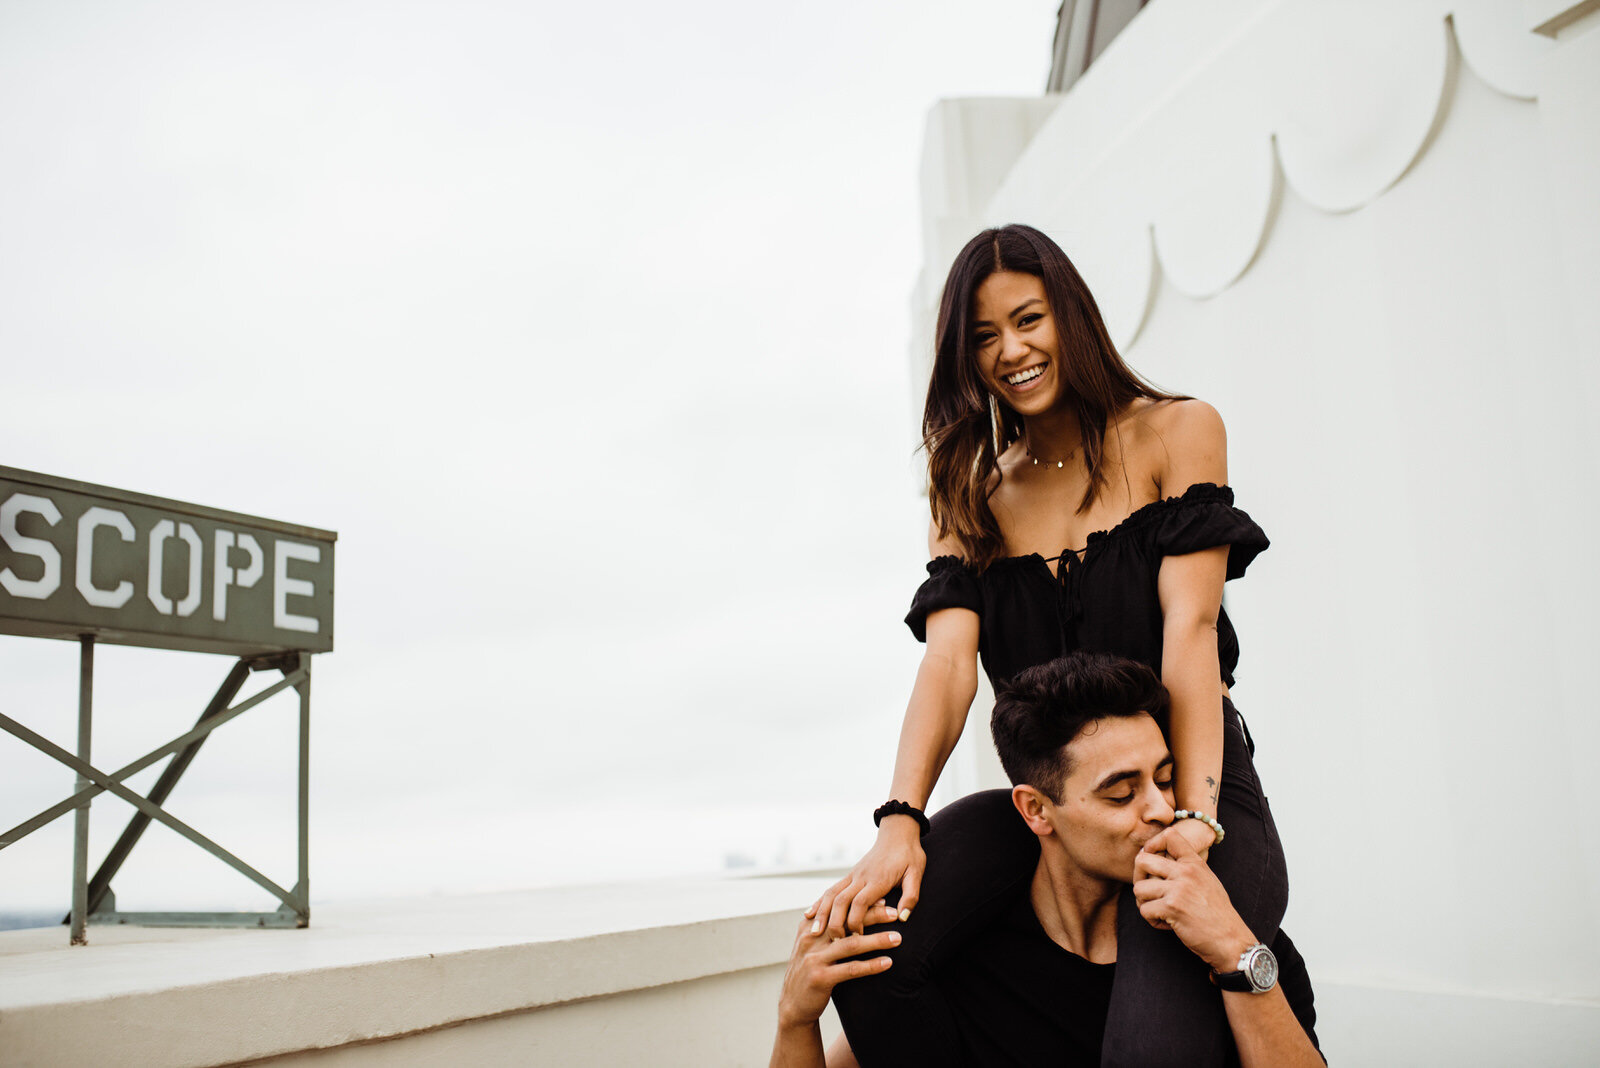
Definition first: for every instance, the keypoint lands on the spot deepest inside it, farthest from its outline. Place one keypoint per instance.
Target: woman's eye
(982, 339)
(1031, 317)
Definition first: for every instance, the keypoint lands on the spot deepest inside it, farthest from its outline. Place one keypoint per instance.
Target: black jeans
(1164, 1011)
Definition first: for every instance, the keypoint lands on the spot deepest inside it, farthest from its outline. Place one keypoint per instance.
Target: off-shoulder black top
(1104, 596)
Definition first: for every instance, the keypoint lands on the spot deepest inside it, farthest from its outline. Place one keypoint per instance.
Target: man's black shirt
(1018, 998)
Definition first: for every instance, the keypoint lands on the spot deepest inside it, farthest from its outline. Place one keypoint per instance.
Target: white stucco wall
(1369, 234)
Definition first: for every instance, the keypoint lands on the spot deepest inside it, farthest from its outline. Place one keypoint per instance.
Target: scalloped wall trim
(1337, 98)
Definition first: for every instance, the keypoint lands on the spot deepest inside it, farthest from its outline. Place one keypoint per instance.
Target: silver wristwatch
(1257, 974)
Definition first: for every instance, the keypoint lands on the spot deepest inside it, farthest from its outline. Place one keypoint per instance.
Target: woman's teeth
(1025, 376)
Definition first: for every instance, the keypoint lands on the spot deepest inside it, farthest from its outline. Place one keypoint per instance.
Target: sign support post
(80, 830)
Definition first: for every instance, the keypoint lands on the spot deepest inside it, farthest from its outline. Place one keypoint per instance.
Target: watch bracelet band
(1241, 981)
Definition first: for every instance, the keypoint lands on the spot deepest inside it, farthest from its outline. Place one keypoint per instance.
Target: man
(1079, 737)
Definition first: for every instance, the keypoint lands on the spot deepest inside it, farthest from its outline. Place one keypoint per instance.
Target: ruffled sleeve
(950, 584)
(1203, 518)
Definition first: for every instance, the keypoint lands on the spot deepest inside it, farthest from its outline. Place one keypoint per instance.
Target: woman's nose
(1015, 347)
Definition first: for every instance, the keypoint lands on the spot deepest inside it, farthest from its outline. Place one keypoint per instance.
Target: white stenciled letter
(283, 586)
(88, 523)
(46, 584)
(191, 598)
(224, 574)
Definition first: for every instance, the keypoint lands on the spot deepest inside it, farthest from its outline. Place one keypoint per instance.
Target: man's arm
(816, 966)
(1174, 885)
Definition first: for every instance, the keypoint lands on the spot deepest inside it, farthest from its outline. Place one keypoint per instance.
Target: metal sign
(102, 565)
(131, 569)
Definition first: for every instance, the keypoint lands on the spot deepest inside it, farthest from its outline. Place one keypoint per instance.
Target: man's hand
(1176, 890)
(895, 859)
(817, 966)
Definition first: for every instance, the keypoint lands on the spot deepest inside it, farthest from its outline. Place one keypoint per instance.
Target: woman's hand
(895, 859)
(1198, 834)
(816, 966)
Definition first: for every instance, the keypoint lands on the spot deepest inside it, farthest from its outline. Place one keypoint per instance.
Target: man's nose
(1157, 808)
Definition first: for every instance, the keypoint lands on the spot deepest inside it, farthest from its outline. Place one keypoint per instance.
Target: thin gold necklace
(1048, 463)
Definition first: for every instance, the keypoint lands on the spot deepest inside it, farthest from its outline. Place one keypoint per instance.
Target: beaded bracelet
(1216, 828)
(900, 808)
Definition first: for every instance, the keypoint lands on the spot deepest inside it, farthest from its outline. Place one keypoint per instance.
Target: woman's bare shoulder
(1186, 443)
(1183, 420)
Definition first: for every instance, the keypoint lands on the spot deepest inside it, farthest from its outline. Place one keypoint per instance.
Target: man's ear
(1034, 807)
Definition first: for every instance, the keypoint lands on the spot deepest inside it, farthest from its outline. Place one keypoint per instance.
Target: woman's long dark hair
(964, 428)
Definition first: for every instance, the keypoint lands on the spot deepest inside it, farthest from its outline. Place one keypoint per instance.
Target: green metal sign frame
(276, 627)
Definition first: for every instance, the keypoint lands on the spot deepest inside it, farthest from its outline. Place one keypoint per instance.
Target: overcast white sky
(585, 326)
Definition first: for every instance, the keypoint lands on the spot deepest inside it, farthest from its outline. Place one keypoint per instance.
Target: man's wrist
(1224, 956)
(790, 1025)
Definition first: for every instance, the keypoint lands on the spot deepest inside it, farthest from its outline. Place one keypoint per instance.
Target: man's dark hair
(1039, 711)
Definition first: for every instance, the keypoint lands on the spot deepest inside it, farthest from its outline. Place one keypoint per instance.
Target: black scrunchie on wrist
(900, 808)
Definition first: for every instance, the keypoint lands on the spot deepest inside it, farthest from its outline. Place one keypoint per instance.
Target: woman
(1073, 506)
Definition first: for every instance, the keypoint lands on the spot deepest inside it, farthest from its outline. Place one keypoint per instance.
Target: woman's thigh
(1250, 861)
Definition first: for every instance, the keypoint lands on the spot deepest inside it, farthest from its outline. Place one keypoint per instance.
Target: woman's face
(1014, 334)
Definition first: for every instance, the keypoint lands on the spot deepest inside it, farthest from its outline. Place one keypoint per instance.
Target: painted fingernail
(905, 914)
(894, 938)
(816, 927)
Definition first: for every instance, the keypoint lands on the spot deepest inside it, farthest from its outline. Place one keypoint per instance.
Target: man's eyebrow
(1014, 311)
(1114, 778)
(1117, 777)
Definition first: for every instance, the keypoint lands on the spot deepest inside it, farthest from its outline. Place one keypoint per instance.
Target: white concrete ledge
(369, 972)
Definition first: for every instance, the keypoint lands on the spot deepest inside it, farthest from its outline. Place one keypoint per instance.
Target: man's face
(1118, 796)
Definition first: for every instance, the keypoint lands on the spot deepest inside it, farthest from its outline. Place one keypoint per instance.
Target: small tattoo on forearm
(1213, 784)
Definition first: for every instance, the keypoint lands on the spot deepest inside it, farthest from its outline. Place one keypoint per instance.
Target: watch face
(1263, 969)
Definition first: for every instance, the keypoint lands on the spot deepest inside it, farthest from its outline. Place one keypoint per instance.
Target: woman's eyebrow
(1014, 311)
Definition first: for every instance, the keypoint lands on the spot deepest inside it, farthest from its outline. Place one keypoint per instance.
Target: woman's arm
(1190, 588)
(946, 683)
(1190, 591)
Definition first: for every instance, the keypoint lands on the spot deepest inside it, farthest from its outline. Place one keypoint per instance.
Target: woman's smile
(1025, 379)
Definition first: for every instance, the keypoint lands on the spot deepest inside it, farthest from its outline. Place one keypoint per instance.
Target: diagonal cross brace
(199, 731)
(98, 888)
(112, 783)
